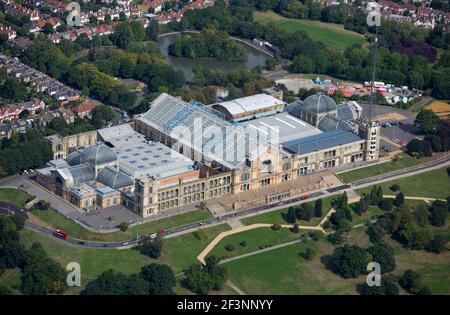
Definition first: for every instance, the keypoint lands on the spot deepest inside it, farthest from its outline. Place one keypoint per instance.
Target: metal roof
(288, 127)
(98, 154)
(114, 178)
(321, 141)
(347, 111)
(317, 103)
(81, 173)
(250, 104)
(74, 158)
(137, 156)
(329, 122)
(205, 130)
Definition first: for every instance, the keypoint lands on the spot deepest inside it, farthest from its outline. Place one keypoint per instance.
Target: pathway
(426, 199)
(260, 251)
(235, 288)
(222, 235)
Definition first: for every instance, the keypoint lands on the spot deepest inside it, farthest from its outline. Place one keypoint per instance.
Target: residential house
(85, 108)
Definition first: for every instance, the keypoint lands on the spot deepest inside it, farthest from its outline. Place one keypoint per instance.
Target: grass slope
(58, 221)
(332, 35)
(403, 161)
(433, 184)
(14, 196)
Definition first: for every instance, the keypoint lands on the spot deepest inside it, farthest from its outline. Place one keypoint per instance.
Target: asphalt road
(9, 209)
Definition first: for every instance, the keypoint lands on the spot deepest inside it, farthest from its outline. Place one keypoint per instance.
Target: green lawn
(332, 35)
(58, 221)
(181, 252)
(92, 261)
(277, 216)
(254, 239)
(432, 184)
(14, 196)
(284, 271)
(403, 161)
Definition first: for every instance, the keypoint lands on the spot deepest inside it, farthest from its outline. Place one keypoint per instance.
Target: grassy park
(14, 196)
(332, 35)
(403, 161)
(253, 240)
(279, 215)
(285, 271)
(58, 221)
(179, 252)
(432, 184)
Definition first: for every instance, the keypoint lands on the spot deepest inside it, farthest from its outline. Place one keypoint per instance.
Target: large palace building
(240, 153)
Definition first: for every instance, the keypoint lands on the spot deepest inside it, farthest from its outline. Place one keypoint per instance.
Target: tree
(399, 199)
(161, 279)
(138, 30)
(375, 232)
(411, 281)
(123, 35)
(152, 248)
(123, 226)
(41, 274)
(415, 147)
(384, 255)
(116, 283)
(295, 228)
(93, 20)
(427, 121)
(199, 281)
(101, 116)
(13, 90)
(438, 213)
(48, 29)
(318, 208)
(291, 216)
(309, 253)
(395, 187)
(336, 238)
(386, 204)
(349, 261)
(388, 286)
(152, 30)
(437, 244)
(305, 212)
(421, 215)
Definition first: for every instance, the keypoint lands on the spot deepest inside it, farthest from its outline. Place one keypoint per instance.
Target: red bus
(61, 234)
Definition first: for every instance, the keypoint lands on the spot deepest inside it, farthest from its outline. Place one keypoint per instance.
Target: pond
(255, 58)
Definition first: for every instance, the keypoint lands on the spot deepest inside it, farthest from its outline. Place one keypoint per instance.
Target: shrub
(123, 226)
(309, 254)
(152, 248)
(295, 228)
(230, 247)
(394, 187)
(386, 205)
(243, 243)
(276, 227)
(437, 244)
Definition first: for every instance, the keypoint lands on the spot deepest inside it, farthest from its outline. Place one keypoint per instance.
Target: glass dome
(98, 154)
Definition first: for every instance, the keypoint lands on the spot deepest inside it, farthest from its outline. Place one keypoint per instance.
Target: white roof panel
(250, 103)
